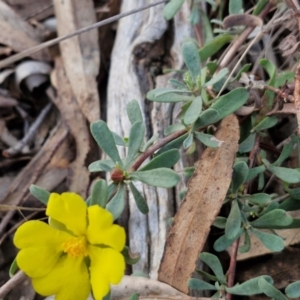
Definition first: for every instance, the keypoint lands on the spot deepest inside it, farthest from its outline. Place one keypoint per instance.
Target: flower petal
(101, 229)
(40, 245)
(69, 280)
(107, 266)
(69, 209)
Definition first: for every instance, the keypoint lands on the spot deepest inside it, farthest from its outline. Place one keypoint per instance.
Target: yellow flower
(78, 253)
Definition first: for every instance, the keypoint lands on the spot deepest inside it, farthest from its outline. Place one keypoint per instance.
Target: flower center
(75, 246)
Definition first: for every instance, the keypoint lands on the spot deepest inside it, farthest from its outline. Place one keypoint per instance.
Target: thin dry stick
(11, 283)
(240, 40)
(4, 63)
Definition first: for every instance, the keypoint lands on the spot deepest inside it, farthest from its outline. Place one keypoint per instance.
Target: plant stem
(155, 147)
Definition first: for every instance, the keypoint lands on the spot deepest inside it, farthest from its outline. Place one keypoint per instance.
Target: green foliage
(235, 7)
(198, 284)
(233, 223)
(271, 241)
(171, 8)
(293, 290)
(117, 203)
(239, 175)
(99, 193)
(39, 193)
(161, 177)
(139, 199)
(192, 59)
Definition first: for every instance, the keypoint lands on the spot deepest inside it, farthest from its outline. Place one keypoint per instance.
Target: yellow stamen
(75, 246)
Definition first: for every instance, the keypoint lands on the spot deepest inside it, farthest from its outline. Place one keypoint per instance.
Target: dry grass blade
(206, 191)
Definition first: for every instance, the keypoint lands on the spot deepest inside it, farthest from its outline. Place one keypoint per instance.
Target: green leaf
(102, 165)
(293, 290)
(191, 58)
(165, 160)
(198, 284)
(105, 140)
(295, 193)
(271, 70)
(255, 171)
(188, 141)
(290, 205)
(193, 111)
(134, 112)
(271, 241)
(117, 204)
(272, 219)
(134, 296)
(207, 275)
(220, 222)
(149, 142)
(208, 117)
(286, 151)
(221, 74)
(173, 128)
(258, 199)
(266, 123)
(259, 7)
(230, 102)
(285, 174)
(213, 46)
(13, 268)
(139, 199)
(107, 297)
(239, 175)
(223, 242)
(247, 243)
(247, 144)
(39, 193)
(118, 140)
(168, 95)
(99, 193)
(175, 144)
(208, 140)
(249, 287)
(171, 9)
(161, 177)
(233, 223)
(177, 84)
(129, 257)
(270, 290)
(235, 7)
(136, 138)
(213, 262)
(194, 17)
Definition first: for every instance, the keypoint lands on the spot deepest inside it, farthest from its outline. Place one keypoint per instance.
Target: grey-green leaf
(286, 174)
(188, 141)
(270, 290)
(139, 199)
(293, 290)
(223, 242)
(193, 111)
(271, 241)
(247, 144)
(165, 160)
(175, 144)
(39, 193)
(266, 123)
(191, 58)
(161, 177)
(221, 74)
(102, 165)
(171, 9)
(235, 7)
(200, 285)
(134, 112)
(213, 262)
(136, 138)
(273, 219)
(208, 140)
(117, 204)
(209, 116)
(105, 140)
(258, 199)
(233, 223)
(239, 175)
(230, 102)
(99, 193)
(220, 222)
(286, 151)
(168, 95)
(249, 287)
(255, 171)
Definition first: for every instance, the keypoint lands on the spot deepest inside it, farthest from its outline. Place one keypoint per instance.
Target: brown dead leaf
(81, 54)
(206, 191)
(76, 122)
(17, 34)
(240, 20)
